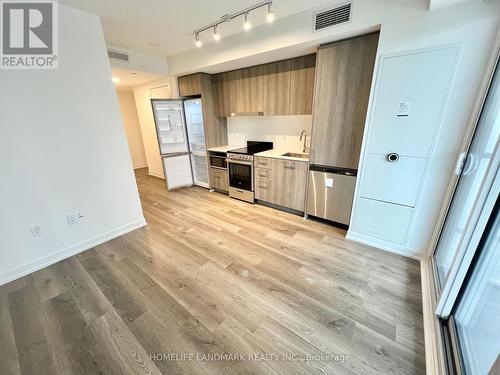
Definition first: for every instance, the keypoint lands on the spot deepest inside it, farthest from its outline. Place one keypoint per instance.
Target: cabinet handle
(392, 157)
(290, 166)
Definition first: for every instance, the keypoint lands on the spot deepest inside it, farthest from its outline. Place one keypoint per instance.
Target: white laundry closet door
(410, 98)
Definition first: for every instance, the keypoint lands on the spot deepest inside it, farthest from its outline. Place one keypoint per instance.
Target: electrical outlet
(36, 230)
(74, 218)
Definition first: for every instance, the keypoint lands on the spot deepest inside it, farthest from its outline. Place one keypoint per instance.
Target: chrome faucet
(304, 134)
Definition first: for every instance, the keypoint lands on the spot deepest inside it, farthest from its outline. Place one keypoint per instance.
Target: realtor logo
(29, 34)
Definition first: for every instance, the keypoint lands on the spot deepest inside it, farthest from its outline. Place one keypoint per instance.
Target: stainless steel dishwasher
(330, 193)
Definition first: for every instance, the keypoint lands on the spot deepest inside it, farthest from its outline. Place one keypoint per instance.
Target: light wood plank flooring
(211, 275)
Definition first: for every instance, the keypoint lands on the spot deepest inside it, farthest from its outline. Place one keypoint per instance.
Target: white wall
(132, 128)
(405, 26)
(283, 131)
(142, 96)
(63, 150)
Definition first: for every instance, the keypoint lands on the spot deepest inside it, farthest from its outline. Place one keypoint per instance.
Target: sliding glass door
(467, 256)
(477, 312)
(475, 170)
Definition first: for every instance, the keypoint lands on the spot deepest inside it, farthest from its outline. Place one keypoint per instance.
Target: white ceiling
(135, 24)
(130, 78)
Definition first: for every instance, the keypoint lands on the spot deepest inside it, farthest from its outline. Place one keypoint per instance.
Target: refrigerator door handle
(174, 154)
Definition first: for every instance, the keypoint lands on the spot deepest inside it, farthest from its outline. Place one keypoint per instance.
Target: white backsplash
(283, 131)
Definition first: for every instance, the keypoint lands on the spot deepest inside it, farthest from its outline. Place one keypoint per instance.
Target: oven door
(240, 174)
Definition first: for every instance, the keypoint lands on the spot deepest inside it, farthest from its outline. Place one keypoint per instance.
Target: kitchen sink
(295, 155)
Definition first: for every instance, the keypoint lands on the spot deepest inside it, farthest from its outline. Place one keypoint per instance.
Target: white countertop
(278, 154)
(225, 148)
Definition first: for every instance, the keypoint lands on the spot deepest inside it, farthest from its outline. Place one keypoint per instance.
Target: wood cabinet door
(289, 183)
(218, 179)
(295, 180)
(277, 88)
(249, 90)
(302, 85)
(342, 87)
(190, 85)
(225, 92)
(215, 127)
(263, 190)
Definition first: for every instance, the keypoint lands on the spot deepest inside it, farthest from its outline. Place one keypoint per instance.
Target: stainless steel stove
(240, 170)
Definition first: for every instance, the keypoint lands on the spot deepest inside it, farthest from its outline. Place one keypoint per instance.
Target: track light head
(216, 34)
(270, 14)
(247, 25)
(198, 41)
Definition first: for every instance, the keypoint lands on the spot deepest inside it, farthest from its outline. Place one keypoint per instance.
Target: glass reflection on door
(476, 164)
(477, 316)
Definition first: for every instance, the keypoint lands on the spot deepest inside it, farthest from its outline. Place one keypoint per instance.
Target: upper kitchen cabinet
(342, 87)
(302, 85)
(190, 85)
(277, 88)
(224, 89)
(248, 90)
(405, 117)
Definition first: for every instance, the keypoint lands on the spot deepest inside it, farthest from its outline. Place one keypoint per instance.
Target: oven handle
(240, 162)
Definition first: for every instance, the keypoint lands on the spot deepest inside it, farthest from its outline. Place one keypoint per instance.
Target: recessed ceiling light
(115, 79)
(155, 44)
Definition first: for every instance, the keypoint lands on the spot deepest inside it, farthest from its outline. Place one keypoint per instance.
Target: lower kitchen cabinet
(218, 179)
(281, 182)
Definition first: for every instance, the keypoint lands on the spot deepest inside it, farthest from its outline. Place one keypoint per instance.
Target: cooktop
(253, 147)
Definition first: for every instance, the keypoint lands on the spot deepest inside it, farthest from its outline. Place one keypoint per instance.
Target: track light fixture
(198, 41)
(228, 17)
(247, 25)
(270, 14)
(216, 34)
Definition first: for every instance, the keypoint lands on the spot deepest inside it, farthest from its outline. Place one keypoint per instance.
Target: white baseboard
(67, 252)
(384, 245)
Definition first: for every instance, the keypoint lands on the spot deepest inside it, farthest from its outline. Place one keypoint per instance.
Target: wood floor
(216, 286)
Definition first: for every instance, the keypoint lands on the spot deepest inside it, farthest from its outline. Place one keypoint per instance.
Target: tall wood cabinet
(202, 85)
(343, 79)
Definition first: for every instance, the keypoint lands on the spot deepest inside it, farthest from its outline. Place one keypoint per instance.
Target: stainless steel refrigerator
(181, 138)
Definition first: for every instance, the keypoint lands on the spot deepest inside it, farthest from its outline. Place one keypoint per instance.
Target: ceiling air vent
(332, 17)
(117, 55)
